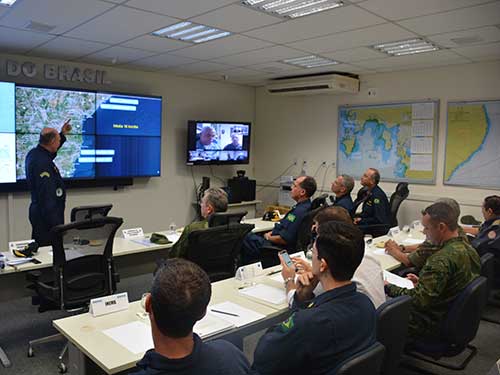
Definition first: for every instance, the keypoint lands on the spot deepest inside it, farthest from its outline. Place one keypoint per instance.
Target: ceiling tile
(67, 48)
(155, 44)
(356, 38)
(422, 59)
(23, 42)
(179, 8)
(329, 22)
(434, 64)
(116, 1)
(260, 56)
(64, 14)
(356, 54)
(163, 61)
(274, 67)
(222, 47)
(400, 9)
(198, 68)
(119, 25)
(460, 19)
(231, 73)
(467, 37)
(236, 18)
(116, 55)
(480, 53)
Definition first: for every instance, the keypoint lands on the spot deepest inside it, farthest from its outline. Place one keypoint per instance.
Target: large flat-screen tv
(218, 142)
(113, 135)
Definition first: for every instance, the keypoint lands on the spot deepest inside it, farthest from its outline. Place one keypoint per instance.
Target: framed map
(398, 139)
(472, 157)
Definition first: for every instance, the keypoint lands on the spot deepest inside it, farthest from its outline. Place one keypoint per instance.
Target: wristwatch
(403, 248)
(287, 280)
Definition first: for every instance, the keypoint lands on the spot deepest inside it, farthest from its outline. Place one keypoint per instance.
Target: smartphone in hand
(286, 258)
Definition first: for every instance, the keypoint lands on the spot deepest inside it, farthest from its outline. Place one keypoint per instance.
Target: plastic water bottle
(172, 227)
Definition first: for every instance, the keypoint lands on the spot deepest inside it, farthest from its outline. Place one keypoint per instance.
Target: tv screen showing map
(112, 135)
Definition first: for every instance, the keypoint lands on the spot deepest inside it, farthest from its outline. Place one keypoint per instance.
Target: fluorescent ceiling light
(310, 61)
(189, 32)
(406, 47)
(7, 3)
(293, 8)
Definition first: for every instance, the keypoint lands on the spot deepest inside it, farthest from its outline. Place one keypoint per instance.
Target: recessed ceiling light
(7, 3)
(310, 61)
(406, 47)
(190, 32)
(293, 8)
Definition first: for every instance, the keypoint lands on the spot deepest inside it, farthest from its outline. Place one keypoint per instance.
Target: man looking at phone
(324, 330)
(48, 195)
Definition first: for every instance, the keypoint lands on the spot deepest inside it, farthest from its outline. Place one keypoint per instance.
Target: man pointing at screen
(48, 195)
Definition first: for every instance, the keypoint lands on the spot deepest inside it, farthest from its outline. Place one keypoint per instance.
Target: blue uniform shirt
(488, 238)
(317, 339)
(216, 357)
(288, 227)
(346, 202)
(376, 208)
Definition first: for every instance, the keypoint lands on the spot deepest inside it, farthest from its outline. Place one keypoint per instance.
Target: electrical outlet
(295, 161)
(323, 163)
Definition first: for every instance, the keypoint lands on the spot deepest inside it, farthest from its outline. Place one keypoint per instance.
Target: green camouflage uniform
(445, 274)
(426, 249)
(180, 247)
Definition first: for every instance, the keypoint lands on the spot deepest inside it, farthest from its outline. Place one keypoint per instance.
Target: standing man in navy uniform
(376, 208)
(48, 196)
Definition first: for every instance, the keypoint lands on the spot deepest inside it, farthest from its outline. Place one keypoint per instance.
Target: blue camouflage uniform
(345, 201)
(376, 208)
(488, 238)
(48, 195)
(318, 338)
(287, 229)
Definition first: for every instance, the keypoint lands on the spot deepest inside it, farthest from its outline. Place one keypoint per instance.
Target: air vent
(295, 89)
(39, 27)
(467, 40)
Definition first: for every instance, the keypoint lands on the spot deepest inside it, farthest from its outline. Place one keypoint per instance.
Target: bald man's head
(50, 139)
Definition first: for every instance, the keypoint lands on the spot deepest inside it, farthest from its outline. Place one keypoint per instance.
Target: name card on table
(109, 304)
(394, 231)
(19, 245)
(132, 233)
(249, 271)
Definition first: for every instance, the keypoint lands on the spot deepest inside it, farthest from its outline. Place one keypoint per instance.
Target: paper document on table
(135, 337)
(18, 261)
(412, 241)
(277, 277)
(142, 241)
(173, 237)
(397, 280)
(379, 252)
(211, 325)
(266, 293)
(245, 316)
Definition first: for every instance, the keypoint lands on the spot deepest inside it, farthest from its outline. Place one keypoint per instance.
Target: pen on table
(224, 312)
(273, 272)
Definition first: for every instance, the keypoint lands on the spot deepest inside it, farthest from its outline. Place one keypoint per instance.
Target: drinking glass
(143, 314)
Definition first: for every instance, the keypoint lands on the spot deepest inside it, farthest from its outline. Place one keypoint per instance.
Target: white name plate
(132, 233)
(394, 231)
(19, 245)
(109, 304)
(249, 271)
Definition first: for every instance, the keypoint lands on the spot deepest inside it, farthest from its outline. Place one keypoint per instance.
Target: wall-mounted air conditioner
(324, 84)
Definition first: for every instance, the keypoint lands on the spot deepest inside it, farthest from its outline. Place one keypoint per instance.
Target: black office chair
(392, 328)
(361, 196)
(319, 201)
(488, 271)
(82, 270)
(458, 329)
(217, 250)
(368, 361)
(225, 218)
(90, 212)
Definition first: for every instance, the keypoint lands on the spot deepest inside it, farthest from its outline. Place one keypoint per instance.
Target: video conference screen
(218, 142)
(113, 135)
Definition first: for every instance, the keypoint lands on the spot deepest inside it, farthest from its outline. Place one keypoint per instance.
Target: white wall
(305, 127)
(151, 203)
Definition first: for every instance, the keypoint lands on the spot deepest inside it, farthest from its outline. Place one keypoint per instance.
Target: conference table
(92, 352)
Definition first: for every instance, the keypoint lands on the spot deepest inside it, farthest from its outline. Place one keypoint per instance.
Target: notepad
(211, 325)
(398, 280)
(266, 293)
(412, 241)
(144, 241)
(135, 337)
(245, 316)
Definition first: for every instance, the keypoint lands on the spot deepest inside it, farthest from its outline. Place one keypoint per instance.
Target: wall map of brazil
(398, 139)
(472, 139)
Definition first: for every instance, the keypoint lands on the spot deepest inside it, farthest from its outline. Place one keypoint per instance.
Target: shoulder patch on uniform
(45, 174)
(376, 200)
(496, 222)
(288, 324)
(492, 234)
(291, 217)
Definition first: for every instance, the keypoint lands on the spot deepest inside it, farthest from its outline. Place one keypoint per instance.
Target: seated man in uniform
(416, 255)
(325, 330)
(445, 274)
(207, 139)
(376, 208)
(342, 187)
(284, 233)
(368, 277)
(488, 235)
(179, 297)
(214, 200)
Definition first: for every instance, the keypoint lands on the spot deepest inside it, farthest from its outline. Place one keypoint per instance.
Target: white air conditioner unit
(325, 84)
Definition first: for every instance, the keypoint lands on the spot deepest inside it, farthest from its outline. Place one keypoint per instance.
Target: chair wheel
(62, 368)
(30, 352)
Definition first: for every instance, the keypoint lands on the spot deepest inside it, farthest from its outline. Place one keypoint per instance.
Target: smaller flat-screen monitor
(218, 142)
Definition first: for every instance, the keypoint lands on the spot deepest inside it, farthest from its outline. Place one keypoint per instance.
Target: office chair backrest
(400, 194)
(225, 218)
(392, 328)
(368, 361)
(217, 250)
(488, 271)
(90, 212)
(319, 201)
(83, 259)
(304, 231)
(462, 320)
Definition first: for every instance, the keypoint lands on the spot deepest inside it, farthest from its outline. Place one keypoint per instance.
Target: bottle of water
(171, 228)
